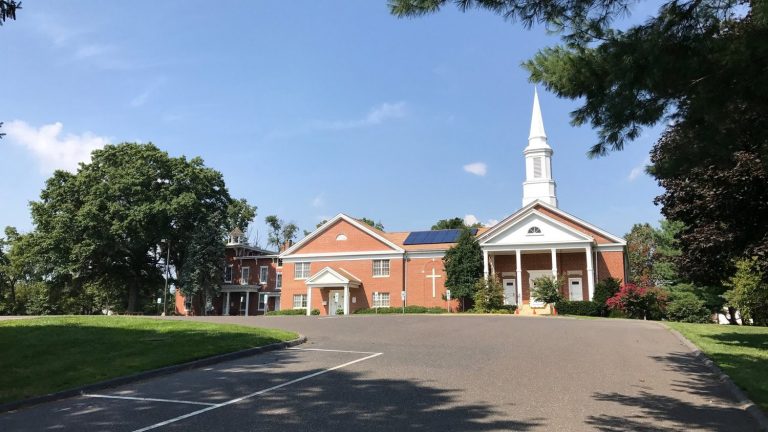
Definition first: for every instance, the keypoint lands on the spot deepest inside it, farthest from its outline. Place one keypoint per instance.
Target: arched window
(534, 230)
(341, 237)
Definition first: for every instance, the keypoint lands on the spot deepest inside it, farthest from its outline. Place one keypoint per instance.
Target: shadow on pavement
(657, 412)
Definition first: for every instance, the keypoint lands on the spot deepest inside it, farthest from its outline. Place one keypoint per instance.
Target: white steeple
(538, 184)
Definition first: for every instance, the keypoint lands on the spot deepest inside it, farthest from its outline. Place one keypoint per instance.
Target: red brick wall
(357, 240)
(362, 269)
(610, 264)
(419, 286)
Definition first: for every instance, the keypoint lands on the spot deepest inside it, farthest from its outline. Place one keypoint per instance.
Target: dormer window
(534, 230)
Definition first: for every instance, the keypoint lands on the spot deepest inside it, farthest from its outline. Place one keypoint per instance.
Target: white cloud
(318, 201)
(471, 219)
(476, 168)
(376, 115)
(51, 149)
(638, 170)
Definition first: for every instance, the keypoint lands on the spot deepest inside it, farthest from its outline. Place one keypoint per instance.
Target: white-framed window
(381, 268)
(245, 275)
(279, 281)
(301, 270)
(381, 299)
(228, 274)
(299, 301)
(262, 302)
(279, 262)
(263, 274)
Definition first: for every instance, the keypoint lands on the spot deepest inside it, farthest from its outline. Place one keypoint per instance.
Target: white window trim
(261, 271)
(231, 273)
(304, 301)
(373, 268)
(378, 295)
(279, 281)
(242, 275)
(308, 272)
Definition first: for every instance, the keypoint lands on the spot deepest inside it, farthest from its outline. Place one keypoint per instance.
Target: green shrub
(546, 289)
(315, 312)
(339, 311)
(604, 290)
(583, 308)
(748, 292)
(686, 307)
(488, 295)
(408, 309)
(289, 312)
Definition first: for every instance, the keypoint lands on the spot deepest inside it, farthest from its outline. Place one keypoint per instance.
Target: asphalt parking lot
(467, 373)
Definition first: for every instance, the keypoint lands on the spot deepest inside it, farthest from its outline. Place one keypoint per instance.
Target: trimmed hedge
(504, 309)
(288, 312)
(583, 308)
(408, 309)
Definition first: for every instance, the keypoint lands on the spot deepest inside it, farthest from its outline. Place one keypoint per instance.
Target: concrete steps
(527, 310)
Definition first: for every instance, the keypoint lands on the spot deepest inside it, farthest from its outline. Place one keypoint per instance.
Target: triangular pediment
(534, 227)
(342, 234)
(330, 277)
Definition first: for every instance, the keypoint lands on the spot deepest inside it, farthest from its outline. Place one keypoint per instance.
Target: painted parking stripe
(147, 399)
(331, 350)
(260, 392)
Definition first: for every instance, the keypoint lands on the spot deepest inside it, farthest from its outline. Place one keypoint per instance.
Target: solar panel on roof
(433, 237)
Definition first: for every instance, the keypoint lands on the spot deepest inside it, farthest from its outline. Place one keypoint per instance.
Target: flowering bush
(638, 302)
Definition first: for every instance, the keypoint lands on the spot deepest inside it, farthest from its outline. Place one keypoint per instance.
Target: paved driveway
(468, 373)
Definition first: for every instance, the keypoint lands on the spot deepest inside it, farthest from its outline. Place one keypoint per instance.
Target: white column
(485, 264)
(519, 279)
(554, 262)
(226, 307)
(309, 301)
(346, 299)
(590, 273)
(247, 302)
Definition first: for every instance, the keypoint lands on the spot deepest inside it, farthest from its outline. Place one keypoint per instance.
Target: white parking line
(260, 392)
(332, 350)
(147, 399)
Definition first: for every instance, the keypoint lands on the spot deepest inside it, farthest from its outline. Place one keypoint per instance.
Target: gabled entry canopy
(330, 278)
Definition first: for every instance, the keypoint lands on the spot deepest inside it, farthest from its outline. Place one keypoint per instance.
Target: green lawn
(741, 352)
(44, 355)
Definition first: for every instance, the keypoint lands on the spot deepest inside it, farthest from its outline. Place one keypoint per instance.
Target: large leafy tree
(699, 65)
(112, 221)
(280, 232)
(463, 266)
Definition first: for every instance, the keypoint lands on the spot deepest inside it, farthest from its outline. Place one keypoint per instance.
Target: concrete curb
(743, 401)
(114, 382)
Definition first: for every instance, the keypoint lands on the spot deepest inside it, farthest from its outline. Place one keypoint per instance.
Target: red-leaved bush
(638, 302)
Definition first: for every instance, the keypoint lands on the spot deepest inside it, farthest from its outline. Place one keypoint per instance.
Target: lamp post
(165, 290)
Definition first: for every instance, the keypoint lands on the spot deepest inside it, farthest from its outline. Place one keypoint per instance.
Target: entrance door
(277, 303)
(335, 301)
(533, 275)
(510, 291)
(575, 292)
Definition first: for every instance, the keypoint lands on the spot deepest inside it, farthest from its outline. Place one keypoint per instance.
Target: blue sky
(308, 109)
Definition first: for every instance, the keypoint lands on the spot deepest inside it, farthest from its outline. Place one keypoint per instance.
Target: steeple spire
(539, 184)
(537, 123)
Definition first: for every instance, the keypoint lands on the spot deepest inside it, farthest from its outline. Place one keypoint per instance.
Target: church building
(345, 264)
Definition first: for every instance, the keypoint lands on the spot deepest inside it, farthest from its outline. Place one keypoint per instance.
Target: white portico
(338, 282)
